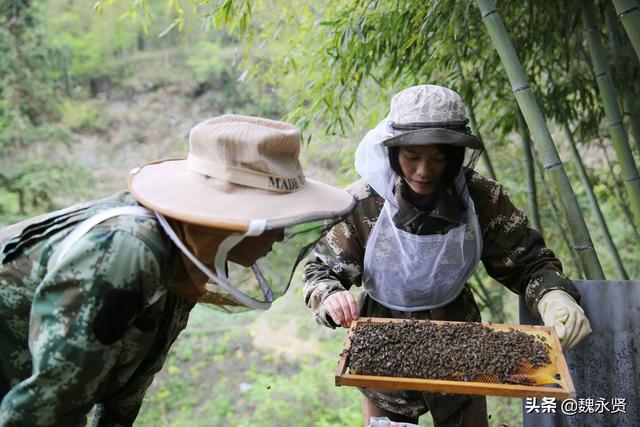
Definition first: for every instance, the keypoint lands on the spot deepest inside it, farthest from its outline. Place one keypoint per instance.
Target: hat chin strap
(256, 227)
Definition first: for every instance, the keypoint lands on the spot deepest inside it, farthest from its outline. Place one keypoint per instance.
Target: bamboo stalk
(612, 108)
(557, 220)
(531, 175)
(485, 297)
(582, 243)
(632, 111)
(619, 193)
(630, 107)
(629, 13)
(595, 208)
(474, 126)
(484, 154)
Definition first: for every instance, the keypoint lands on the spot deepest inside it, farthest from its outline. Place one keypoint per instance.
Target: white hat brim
(168, 187)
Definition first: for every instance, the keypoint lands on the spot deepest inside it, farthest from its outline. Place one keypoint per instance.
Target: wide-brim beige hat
(429, 115)
(239, 169)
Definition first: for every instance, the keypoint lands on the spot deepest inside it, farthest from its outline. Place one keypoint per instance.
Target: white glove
(560, 310)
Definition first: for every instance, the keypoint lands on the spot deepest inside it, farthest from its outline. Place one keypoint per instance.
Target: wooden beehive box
(552, 380)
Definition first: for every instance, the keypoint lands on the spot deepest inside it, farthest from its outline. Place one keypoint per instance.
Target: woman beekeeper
(423, 221)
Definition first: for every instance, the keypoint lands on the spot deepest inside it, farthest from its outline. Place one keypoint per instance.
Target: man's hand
(560, 310)
(342, 307)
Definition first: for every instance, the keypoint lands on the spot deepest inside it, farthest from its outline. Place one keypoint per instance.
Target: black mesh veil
(270, 276)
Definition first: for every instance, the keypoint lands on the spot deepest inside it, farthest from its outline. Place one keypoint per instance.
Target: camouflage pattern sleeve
(80, 312)
(120, 410)
(514, 254)
(335, 265)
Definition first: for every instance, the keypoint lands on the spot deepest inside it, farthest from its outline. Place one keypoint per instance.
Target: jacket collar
(445, 207)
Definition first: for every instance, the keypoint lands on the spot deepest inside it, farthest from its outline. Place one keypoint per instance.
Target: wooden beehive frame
(563, 389)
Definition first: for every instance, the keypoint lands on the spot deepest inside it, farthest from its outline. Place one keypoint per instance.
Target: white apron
(410, 272)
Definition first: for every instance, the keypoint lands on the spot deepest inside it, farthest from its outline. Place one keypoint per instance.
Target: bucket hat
(239, 169)
(427, 115)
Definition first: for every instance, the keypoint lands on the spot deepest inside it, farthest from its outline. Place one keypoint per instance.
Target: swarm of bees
(460, 352)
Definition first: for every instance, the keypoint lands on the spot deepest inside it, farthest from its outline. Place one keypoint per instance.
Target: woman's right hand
(342, 307)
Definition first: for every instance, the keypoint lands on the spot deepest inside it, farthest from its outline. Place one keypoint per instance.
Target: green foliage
(83, 116)
(30, 182)
(87, 44)
(35, 184)
(27, 96)
(209, 60)
(215, 67)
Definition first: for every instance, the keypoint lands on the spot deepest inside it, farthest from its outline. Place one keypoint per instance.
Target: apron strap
(86, 225)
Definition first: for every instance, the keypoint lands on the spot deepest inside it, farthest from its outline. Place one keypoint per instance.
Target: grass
(222, 372)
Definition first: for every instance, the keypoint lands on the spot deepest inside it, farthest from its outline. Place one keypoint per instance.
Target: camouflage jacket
(513, 254)
(93, 330)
